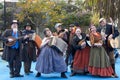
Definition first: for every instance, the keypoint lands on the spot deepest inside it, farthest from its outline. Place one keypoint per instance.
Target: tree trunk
(118, 24)
(37, 30)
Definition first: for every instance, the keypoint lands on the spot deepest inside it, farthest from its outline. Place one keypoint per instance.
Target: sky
(9, 0)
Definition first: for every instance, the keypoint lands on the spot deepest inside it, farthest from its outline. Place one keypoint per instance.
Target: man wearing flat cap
(70, 51)
(106, 31)
(12, 49)
(61, 32)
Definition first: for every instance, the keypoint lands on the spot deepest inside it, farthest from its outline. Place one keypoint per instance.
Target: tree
(1, 5)
(40, 12)
(105, 8)
(9, 17)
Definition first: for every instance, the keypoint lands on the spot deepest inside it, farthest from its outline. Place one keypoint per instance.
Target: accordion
(58, 44)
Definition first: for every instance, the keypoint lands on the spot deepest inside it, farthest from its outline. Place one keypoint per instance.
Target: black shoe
(85, 73)
(27, 73)
(63, 75)
(7, 66)
(19, 75)
(12, 76)
(38, 74)
(30, 71)
(72, 74)
(71, 71)
(115, 76)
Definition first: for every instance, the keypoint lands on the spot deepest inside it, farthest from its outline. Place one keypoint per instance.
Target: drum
(37, 40)
(58, 43)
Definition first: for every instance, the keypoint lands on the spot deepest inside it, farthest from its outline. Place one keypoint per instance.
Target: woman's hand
(83, 45)
(98, 44)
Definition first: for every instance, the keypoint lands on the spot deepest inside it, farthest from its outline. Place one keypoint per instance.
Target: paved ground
(4, 74)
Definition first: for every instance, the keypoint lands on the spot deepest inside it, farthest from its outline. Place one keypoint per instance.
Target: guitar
(113, 43)
(11, 43)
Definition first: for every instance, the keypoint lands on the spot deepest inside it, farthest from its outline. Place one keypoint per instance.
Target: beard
(15, 29)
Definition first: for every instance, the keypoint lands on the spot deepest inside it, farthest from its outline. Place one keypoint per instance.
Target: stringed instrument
(81, 41)
(84, 39)
(11, 43)
(113, 43)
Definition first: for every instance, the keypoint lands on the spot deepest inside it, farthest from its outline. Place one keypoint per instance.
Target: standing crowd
(86, 53)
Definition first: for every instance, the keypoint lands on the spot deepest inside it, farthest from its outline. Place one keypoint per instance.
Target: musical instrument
(113, 43)
(81, 41)
(58, 44)
(95, 39)
(36, 38)
(89, 43)
(84, 39)
(11, 43)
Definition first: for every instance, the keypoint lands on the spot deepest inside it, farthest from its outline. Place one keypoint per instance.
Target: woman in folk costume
(49, 59)
(81, 58)
(99, 63)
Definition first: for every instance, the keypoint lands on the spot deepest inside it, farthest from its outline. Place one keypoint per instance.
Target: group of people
(18, 47)
(90, 52)
(97, 56)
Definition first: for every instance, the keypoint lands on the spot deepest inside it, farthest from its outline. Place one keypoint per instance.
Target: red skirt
(101, 71)
(81, 60)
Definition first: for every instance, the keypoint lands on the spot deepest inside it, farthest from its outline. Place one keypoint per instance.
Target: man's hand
(110, 36)
(26, 36)
(10, 40)
(103, 35)
(98, 44)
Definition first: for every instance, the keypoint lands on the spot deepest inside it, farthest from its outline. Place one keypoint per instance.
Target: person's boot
(27, 73)
(12, 76)
(30, 71)
(72, 74)
(38, 74)
(85, 73)
(114, 74)
(71, 67)
(63, 75)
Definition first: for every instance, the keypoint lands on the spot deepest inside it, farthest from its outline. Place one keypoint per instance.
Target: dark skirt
(50, 61)
(99, 63)
(81, 60)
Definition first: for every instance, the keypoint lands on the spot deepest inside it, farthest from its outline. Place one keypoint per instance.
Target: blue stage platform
(4, 74)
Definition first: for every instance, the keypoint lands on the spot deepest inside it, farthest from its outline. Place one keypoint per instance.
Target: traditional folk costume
(81, 58)
(99, 63)
(28, 51)
(108, 30)
(70, 51)
(50, 60)
(12, 53)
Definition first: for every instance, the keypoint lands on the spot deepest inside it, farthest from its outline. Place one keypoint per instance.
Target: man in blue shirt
(12, 50)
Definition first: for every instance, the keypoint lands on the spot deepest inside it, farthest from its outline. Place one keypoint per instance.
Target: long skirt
(49, 60)
(99, 63)
(81, 60)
